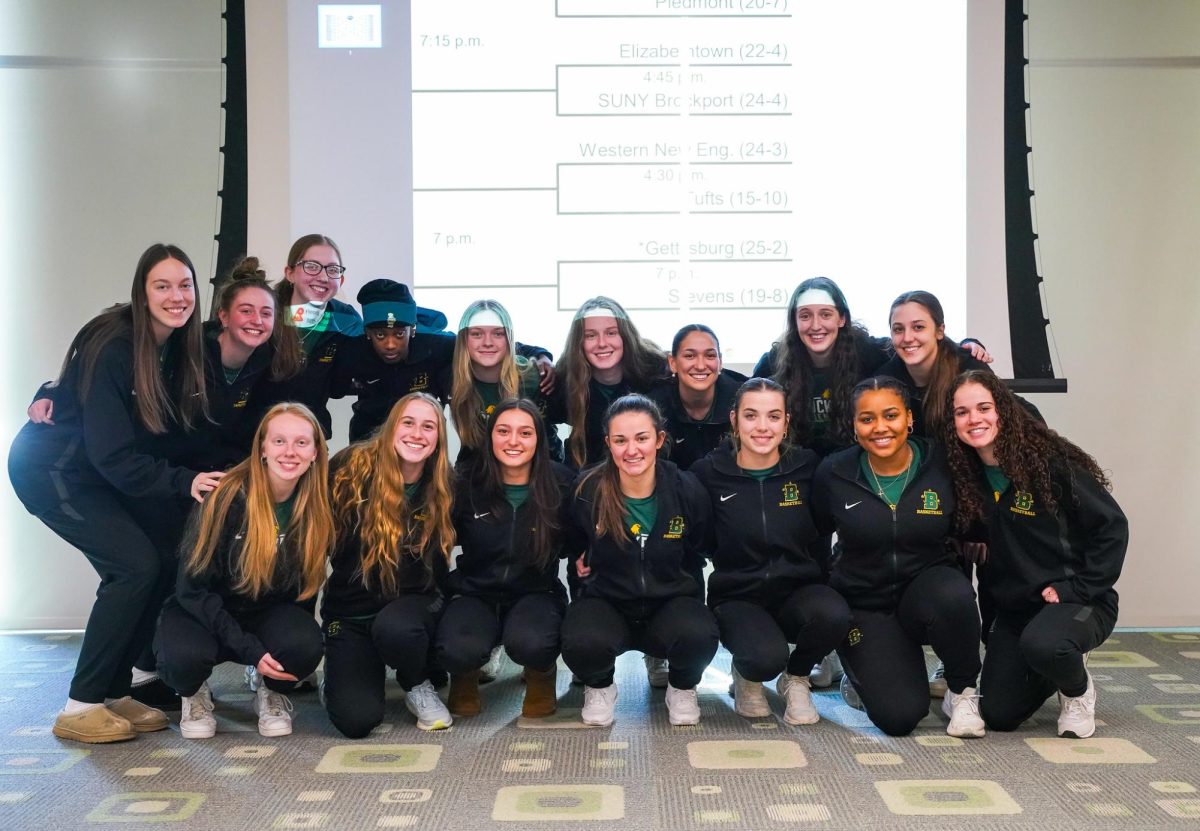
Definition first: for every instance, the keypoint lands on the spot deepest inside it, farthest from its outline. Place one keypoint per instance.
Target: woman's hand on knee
(1050, 595)
(268, 667)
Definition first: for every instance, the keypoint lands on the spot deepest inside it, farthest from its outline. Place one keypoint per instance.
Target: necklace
(882, 489)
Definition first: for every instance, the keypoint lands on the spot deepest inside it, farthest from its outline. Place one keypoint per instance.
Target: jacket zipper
(762, 510)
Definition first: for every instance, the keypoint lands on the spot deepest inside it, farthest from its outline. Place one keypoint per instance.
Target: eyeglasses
(312, 268)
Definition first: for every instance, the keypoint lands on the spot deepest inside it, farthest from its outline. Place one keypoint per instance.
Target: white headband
(815, 297)
(485, 317)
(599, 311)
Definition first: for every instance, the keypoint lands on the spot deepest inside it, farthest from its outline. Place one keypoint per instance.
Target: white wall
(1115, 112)
(113, 146)
(110, 124)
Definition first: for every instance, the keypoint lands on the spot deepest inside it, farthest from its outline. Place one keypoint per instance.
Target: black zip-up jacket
(664, 564)
(693, 440)
(359, 371)
(761, 530)
(210, 597)
(1078, 549)
(416, 572)
(312, 386)
(879, 552)
(496, 559)
(557, 412)
(226, 440)
(101, 440)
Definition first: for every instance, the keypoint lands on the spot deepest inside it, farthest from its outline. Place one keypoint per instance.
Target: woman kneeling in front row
(391, 503)
(642, 523)
(891, 501)
(1056, 542)
(509, 516)
(255, 559)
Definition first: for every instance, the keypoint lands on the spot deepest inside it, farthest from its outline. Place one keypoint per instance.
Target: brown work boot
(464, 694)
(541, 697)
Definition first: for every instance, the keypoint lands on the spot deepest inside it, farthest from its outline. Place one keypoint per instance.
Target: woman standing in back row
(129, 375)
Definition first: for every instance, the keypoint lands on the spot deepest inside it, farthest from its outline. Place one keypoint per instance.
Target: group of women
(907, 450)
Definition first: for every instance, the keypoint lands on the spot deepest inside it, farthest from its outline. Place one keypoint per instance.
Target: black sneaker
(156, 694)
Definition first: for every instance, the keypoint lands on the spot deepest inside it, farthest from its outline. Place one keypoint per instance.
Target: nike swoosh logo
(731, 496)
(373, 381)
(481, 516)
(680, 441)
(849, 505)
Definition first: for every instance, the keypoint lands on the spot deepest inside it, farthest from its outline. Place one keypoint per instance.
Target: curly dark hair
(1027, 450)
(794, 367)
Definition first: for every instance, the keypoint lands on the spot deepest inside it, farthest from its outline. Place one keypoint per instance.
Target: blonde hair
(368, 495)
(310, 529)
(516, 373)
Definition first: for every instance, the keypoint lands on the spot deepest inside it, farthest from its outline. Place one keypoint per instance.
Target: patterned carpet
(1142, 770)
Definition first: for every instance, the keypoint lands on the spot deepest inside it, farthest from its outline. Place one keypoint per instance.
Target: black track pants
(596, 631)
(528, 626)
(882, 654)
(815, 618)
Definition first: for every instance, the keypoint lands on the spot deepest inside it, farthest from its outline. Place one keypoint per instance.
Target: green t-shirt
(892, 486)
(489, 397)
(640, 515)
(283, 514)
(763, 474)
(411, 491)
(516, 495)
(996, 480)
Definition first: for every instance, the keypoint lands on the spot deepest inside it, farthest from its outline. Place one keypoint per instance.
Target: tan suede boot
(464, 694)
(541, 698)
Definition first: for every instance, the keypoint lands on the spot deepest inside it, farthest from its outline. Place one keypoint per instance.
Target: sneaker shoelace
(278, 704)
(421, 696)
(1074, 705)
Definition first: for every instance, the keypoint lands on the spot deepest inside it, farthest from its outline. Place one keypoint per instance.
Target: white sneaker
(963, 712)
(196, 719)
(489, 671)
(1077, 715)
(937, 682)
(656, 671)
(749, 700)
(683, 707)
(827, 673)
(274, 712)
(423, 702)
(598, 705)
(796, 692)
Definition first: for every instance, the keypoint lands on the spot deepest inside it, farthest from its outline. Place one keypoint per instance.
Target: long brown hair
(945, 368)
(1029, 452)
(641, 363)
(152, 401)
(309, 531)
(609, 501)
(368, 496)
(285, 351)
(518, 376)
(485, 481)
